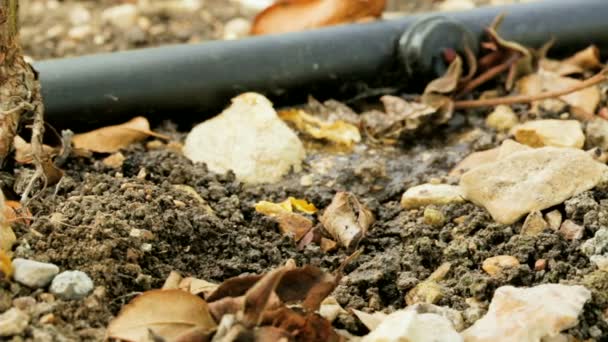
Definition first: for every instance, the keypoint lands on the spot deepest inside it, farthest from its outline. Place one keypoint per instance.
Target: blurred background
(54, 28)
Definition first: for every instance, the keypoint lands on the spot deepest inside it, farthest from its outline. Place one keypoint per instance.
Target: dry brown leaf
(201, 287)
(587, 59)
(346, 219)
(15, 212)
(449, 81)
(289, 222)
(168, 313)
(399, 116)
(23, 151)
(7, 236)
(258, 298)
(110, 139)
(114, 160)
(587, 99)
(298, 15)
(339, 132)
(293, 224)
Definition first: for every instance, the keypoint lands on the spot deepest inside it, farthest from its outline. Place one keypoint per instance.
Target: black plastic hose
(189, 82)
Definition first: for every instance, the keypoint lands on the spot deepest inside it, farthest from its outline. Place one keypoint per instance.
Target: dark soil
(128, 228)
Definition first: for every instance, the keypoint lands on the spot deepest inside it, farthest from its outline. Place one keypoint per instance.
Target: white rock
(408, 325)
(247, 138)
(33, 274)
(255, 4)
(80, 32)
(236, 28)
(531, 180)
(597, 245)
(13, 322)
(425, 194)
(456, 5)
(559, 133)
(72, 285)
(454, 316)
(601, 261)
(529, 314)
(502, 118)
(79, 15)
(534, 224)
(122, 16)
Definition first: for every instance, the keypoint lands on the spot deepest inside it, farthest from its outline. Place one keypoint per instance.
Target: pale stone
(247, 138)
(409, 325)
(79, 15)
(433, 217)
(558, 133)
(571, 231)
(33, 274)
(534, 224)
(476, 159)
(601, 261)
(530, 180)
(13, 322)
(454, 316)
(502, 118)
(498, 264)
(529, 314)
(597, 245)
(426, 194)
(237, 28)
(257, 5)
(72, 285)
(122, 16)
(456, 5)
(554, 219)
(597, 133)
(428, 291)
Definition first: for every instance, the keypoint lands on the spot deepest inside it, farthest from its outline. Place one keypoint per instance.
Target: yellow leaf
(6, 268)
(287, 206)
(586, 99)
(110, 139)
(303, 205)
(167, 313)
(339, 131)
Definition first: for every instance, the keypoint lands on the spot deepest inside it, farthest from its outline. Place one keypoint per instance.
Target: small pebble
(24, 303)
(540, 265)
(72, 285)
(13, 322)
(497, 264)
(33, 274)
(534, 224)
(571, 231)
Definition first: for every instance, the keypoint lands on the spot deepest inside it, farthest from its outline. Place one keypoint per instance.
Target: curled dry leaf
(586, 99)
(23, 151)
(400, 116)
(449, 81)
(339, 132)
(346, 219)
(110, 139)
(167, 313)
(587, 59)
(15, 212)
(298, 15)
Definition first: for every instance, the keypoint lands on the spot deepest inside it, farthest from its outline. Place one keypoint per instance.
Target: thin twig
(596, 79)
(489, 74)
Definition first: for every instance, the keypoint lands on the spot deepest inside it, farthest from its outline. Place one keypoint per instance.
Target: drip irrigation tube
(189, 82)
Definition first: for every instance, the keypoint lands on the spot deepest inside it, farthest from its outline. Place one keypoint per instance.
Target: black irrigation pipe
(189, 82)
